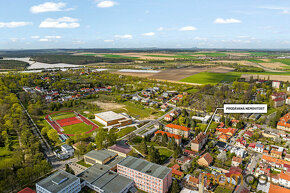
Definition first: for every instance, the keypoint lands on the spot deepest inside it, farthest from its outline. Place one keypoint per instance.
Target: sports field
(211, 78)
(77, 128)
(62, 115)
(70, 123)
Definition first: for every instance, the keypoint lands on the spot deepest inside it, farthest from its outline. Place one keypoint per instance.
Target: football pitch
(62, 115)
(77, 128)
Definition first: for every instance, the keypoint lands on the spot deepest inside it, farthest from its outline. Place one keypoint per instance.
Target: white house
(239, 151)
(66, 152)
(259, 148)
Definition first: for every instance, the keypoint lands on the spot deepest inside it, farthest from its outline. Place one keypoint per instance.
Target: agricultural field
(13, 65)
(211, 54)
(211, 78)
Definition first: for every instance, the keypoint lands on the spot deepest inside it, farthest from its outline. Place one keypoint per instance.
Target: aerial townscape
(102, 96)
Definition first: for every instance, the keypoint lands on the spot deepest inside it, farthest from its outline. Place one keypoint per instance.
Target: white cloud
(52, 37)
(43, 40)
(49, 7)
(160, 29)
(14, 39)
(35, 37)
(107, 4)
(14, 24)
(226, 21)
(63, 22)
(283, 10)
(187, 28)
(126, 36)
(108, 40)
(148, 34)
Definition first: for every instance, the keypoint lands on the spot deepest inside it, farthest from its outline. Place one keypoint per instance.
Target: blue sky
(34, 24)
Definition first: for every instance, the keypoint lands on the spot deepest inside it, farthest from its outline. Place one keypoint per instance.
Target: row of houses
(282, 168)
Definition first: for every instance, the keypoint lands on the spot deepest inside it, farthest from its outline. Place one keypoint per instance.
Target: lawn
(164, 154)
(62, 115)
(125, 131)
(211, 78)
(82, 162)
(77, 128)
(138, 110)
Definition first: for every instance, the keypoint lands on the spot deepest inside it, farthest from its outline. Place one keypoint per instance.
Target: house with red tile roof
(278, 189)
(223, 138)
(205, 160)
(248, 134)
(284, 123)
(199, 141)
(168, 118)
(236, 161)
(227, 131)
(177, 138)
(284, 179)
(178, 130)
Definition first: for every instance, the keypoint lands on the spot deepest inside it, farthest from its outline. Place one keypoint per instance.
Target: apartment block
(147, 176)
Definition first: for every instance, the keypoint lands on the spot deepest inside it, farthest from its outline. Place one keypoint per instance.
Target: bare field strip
(284, 78)
(274, 65)
(107, 106)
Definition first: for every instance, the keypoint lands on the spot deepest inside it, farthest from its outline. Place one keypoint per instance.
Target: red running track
(83, 119)
(68, 121)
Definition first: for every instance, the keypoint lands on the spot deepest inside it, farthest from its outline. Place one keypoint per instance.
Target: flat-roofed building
(103, 157)
(101, 179)
(99, 157)
(149, 177)
(121, 150)
(111, 118)
(59, 182)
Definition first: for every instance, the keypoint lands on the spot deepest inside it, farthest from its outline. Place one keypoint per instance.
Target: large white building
(111, 118)
(59, 182)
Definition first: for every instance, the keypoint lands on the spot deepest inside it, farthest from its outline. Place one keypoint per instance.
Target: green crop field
(179, 56)
(212, 54)
(62, 115)
(284, 61)
(211, 78)
(119, 56)
(77, 128)
(256, 61)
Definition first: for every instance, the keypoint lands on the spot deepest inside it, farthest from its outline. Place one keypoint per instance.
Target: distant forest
(13, 64)
(81, 60)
